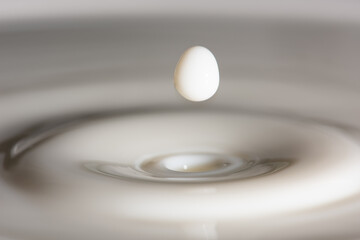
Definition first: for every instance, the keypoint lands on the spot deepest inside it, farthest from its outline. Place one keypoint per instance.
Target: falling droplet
(196, 75)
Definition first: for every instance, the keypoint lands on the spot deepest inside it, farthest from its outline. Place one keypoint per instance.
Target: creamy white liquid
(95, 144)
(123, 153)
(196, 75)
(123, 174)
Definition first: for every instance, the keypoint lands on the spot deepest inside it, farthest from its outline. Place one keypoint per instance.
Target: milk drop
(196, 74)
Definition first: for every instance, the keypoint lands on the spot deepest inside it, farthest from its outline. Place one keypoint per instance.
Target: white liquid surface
(93, 148)
(336, 165)
(187, 174)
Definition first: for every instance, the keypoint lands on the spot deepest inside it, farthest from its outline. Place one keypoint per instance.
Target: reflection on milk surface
(96, 143)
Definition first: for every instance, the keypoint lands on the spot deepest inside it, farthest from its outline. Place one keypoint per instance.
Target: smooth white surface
(316, 170)
(196, 75)
(55, 185)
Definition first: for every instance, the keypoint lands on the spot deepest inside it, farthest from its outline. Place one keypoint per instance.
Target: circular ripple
(122, 155)
(190, 167)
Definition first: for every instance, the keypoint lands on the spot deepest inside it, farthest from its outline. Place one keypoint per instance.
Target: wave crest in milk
(141, 170)
(196, 74)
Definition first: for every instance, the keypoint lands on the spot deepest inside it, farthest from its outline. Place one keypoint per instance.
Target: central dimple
(194, 163)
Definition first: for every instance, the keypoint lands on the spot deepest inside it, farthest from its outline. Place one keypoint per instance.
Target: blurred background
(40, 39)
(297, 58)
(311, 43)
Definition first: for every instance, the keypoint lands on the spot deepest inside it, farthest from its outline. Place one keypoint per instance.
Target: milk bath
(97, 149)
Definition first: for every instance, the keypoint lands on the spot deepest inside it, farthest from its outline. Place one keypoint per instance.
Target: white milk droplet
(196, 75)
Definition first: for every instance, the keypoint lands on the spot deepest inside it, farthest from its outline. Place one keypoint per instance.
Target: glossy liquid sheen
(170, 172)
